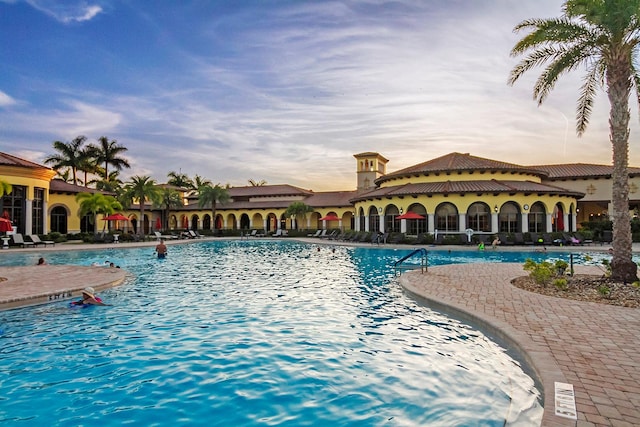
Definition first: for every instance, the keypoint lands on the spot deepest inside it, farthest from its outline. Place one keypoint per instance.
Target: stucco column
(381, 222)
(431, 222)
(462, 222)
(45, 217)
(403, 225)
(366, 223)
(574, 223)
(549, 226)
(264, 224)
(566, 222)
(28, 223)
(525, 222)
(495, 227)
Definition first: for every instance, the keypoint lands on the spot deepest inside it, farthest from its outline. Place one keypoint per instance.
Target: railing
(400, 266)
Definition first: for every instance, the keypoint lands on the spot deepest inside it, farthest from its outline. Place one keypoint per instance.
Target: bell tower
(370, 166)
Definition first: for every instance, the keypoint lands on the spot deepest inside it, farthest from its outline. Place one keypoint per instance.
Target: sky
(285, 91)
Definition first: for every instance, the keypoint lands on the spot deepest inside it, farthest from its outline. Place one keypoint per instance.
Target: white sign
(565, 401)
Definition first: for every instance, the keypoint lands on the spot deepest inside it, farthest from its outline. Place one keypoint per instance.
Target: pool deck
(594, 347)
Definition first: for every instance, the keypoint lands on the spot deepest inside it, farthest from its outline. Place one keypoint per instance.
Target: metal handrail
(398, 265)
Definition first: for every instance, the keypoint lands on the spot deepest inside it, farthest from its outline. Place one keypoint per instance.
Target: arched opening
(479, 217)
(537, 218)
(509, 218)
(391, 224)
(446, 218)
(58, 220)
(374, 219)
(417, 226)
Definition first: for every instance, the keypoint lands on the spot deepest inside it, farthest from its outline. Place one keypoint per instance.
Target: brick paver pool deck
(595, 347)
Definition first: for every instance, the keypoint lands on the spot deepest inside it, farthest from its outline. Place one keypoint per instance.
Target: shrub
(541, 272)
(561, 284)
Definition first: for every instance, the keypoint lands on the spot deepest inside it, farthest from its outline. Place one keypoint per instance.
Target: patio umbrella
(410, 215)
(158, 223)
(116, 217)
(185, 222)
(330, 218)
(5, 225)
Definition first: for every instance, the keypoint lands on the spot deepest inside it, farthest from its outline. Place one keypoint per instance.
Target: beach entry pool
(254, 333)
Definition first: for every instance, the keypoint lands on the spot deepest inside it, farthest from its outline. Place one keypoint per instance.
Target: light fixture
(400, 211)
(495, 208)
(380, 210)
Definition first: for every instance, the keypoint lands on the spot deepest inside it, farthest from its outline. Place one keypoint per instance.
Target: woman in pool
(89, 298)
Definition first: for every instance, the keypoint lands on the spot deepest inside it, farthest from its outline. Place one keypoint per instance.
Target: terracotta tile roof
(446, 187)
(59, 186)
(9, 160)
(330, 198)
(316, 200)
(581, 170)
(455, 162)
(268, 190)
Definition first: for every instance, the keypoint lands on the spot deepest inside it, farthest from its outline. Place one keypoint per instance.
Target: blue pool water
(258, 333)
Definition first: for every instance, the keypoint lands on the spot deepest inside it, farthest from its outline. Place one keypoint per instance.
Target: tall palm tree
(108, 152)
(64, 174)
(112, 183)
(69, 156)
(179, 180)
(143, 189)
(199, 181)
(255, 183)
(169, 198)
(87, 163)
(298, 210)
(603, 37)
(211, 195)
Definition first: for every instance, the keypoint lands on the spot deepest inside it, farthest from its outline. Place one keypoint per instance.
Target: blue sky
(284, 91)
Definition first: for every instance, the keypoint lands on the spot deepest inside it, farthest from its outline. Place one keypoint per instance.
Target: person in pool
(89, 298)
(161, 249)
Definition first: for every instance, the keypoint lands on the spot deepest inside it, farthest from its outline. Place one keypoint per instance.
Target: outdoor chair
(36, 241)
(19, 240)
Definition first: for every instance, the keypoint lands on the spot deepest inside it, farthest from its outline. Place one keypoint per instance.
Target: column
(28, 218)
(495, 226)
(381, 222)
(525, 223)
(549, 226)
(566, 221)
(462, 222)
(403, 225)
(431, 222)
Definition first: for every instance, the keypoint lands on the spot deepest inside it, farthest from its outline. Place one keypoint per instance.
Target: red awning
(410, 215)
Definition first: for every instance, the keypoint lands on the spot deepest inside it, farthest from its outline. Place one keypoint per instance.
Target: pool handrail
(398, 265)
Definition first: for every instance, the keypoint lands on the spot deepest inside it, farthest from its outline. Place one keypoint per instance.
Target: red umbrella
(5, 225)
(116, 217)
(410, 215)
(330, 218)
(158, 223)
(185, 222)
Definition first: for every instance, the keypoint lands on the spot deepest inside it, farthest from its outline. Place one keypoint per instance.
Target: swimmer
(89, 298)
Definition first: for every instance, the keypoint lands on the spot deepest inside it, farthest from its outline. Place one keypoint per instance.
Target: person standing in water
(161, 249)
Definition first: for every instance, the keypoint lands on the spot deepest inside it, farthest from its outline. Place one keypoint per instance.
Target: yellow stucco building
(448, 195)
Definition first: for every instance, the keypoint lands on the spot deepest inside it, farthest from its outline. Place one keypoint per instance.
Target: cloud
(66, 12)
(6, 100)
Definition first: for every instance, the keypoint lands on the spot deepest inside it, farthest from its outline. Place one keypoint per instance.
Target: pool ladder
(399, 266)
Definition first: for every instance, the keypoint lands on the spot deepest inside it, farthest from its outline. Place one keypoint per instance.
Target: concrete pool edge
(34, 285)
(441, 289)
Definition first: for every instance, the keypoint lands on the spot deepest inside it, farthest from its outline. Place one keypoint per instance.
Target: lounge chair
(277, 233)
(194, 234)
(316, 234)
(19, 240)
(518, 238)
(322, 234)
(36, 241)
(164, 236)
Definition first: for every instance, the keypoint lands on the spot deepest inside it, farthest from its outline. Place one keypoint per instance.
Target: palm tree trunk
(618, 88)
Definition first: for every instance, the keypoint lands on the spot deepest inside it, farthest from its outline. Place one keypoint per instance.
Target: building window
(374, 220)
(537, 219)
(508, 219)
(58, 221)
(391, 224)
(447, 218)
(14, 205)
(478, 217)
(37, 211)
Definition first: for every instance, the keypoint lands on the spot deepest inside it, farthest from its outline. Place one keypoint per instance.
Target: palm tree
(255, 183)
(298, 210)
(87, 162)
(169, 198)
(211, 195)
(143, 189)
(179, 180)
(198, 182)
(107, 152)
(64, 174)
(111, 184)
(603, 36)
(96, 203)
(69, 156)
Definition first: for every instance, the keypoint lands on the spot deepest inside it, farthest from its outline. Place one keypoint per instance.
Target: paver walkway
(20, 286)
(595, 347)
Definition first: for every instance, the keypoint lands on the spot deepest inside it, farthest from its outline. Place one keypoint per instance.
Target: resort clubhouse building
(455, 194)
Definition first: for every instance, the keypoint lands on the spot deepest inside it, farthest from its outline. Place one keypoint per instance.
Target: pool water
(257, 333)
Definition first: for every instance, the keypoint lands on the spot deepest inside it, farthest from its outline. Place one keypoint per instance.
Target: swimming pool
(258, 333)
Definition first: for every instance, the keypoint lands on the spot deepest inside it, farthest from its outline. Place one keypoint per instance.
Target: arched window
(374, 219)
(509, 218)
(390, 222)
(446, 217)
(206, 222)
(478, 217)
(58, 220)
(537, 218)
(417, 226)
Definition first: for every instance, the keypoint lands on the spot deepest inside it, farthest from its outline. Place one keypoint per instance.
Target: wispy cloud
(66, 11)
(6, 100)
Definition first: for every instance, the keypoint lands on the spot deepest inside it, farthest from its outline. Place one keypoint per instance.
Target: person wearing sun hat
(89, 298)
